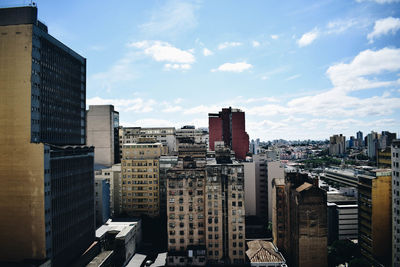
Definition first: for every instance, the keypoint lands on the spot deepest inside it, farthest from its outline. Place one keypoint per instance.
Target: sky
(298, 69)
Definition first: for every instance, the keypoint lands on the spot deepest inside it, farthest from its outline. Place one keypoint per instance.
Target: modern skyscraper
(102, 133)
(374, 216)
(47, 195)
(229, 126)
(360, 139)
(396, 202)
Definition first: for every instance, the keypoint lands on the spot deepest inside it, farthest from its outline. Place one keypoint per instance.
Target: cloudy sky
(299, 69)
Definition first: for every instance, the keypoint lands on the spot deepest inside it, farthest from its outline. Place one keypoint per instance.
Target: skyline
(171, 63)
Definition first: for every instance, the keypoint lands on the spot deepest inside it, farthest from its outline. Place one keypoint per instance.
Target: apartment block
(185, 207)
(140, 178)
(275, 170)
(225, 211)
(374, 216)
(49, 201)
(278, 209)
(189, 131)
(164, 135)
(395, 202)
(102, 124)
(337, 145)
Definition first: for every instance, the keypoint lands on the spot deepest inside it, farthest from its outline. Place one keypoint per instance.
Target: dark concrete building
(229, 125)
(303, 221)
(45, 168)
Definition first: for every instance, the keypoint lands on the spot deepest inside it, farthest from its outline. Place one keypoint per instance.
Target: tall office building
(396, 202)
(140, 178)
(374, 216)
(372, 144)
(229, 126)
(103, 133)
(47, 195)
(360, 139)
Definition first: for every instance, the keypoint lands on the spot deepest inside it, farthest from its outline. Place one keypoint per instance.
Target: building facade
(50, 198)
(229, 125)
(164, 135)
(374, 220)
(102, 200)
(395, 203)
(102, 132)
(337, 145)
(140, 178)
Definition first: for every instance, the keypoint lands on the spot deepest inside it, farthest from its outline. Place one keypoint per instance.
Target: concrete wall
(21, 163)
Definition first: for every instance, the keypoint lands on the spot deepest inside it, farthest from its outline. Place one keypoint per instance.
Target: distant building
(342, 217)
(264, 254)
(47, 193)
(360, 139)
(140, 178)
(164, 135)
(102, 123)
(372, 144)
(255, 146)
(229, 126)
(113, 176)
(374, 220)
(337, 145)
(395, 202)
(102, 198)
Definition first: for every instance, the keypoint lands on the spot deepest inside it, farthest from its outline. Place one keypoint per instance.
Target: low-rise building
(264, 254)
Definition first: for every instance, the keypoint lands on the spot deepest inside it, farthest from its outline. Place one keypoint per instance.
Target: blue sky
(299, 69)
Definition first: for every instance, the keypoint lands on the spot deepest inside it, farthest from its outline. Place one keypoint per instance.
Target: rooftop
(263, 251)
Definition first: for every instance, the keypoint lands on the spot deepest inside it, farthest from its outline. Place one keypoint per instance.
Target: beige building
(276, 170)
(140, 178)
(113, 176)
(164, 135)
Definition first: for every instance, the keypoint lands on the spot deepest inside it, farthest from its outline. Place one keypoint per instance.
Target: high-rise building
(301, 220)
(140, 178)
(102, 132)
(372, 144)
(45, 167)
(185, 206)
(374, 216)
(278, 217)
(396, 203)
(275, 170)
(337, 145)
(229, 126)
(225, 210)
(360, 139)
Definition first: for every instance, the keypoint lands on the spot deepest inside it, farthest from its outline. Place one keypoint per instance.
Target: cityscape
(224, 133)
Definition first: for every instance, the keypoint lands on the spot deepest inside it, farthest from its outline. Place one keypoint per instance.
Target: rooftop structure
(264, 253)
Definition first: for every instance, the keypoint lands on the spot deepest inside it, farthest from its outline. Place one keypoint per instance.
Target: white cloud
(383, 27)
(207, 52)
(274, 36)
(351, 76)
(233, 67)
(163, 51)
(172, 18)
(228, 44)
(137, 105)
(293, 77)
(176, 66)
(308, 38)
(339, 26)
(256, 44)
(171, 109)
